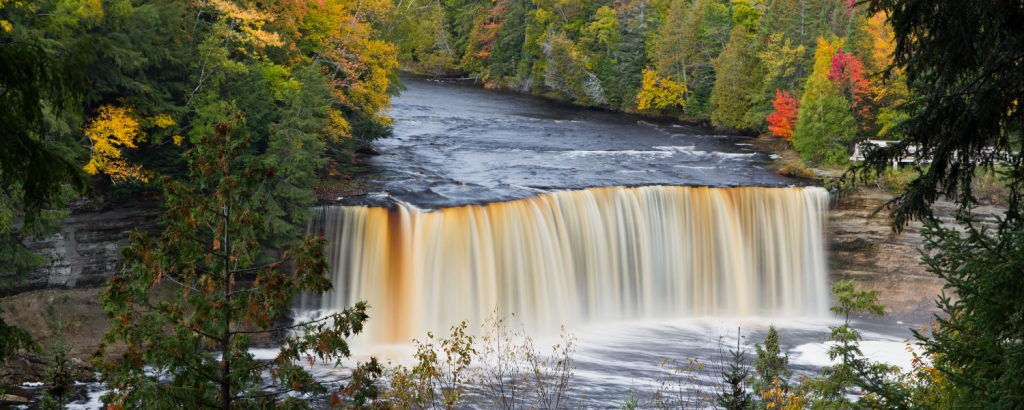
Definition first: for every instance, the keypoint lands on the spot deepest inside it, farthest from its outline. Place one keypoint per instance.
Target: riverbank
(503, 85)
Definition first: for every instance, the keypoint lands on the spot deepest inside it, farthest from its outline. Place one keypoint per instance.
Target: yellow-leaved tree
(818, 83)
(113, 130)
(366, 88)
(342, 33)
(889, 84)
(248, 23)
(660, 93)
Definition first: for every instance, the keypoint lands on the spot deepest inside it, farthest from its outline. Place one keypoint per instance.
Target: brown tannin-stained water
(457, 144)
(577, 257)
(648, 240)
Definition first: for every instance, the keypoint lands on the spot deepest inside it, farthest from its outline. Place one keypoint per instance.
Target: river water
(458, 144)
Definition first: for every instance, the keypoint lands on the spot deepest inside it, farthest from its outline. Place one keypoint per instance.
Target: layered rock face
(861, 246)
(88, 251)
(864, 248)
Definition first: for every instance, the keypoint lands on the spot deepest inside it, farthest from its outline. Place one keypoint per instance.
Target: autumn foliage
(660, 93)
(848, 74)
(110, 133)
(783, 120)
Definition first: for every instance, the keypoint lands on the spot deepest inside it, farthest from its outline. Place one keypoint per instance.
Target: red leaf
(783, 120)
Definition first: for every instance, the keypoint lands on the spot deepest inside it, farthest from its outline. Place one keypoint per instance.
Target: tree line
(814, 71)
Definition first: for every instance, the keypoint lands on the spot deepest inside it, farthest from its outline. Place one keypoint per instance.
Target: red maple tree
(848, 72)
(783, 120)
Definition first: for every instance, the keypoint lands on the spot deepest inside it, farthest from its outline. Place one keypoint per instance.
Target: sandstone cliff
(864, 248)
(88, 250)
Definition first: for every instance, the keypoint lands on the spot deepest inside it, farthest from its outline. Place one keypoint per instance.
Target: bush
(509, 372)
(797, 171)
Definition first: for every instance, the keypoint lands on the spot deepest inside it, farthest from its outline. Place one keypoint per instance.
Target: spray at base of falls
(593, 255)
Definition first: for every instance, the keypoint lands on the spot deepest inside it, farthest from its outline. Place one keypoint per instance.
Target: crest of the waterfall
(569, 257)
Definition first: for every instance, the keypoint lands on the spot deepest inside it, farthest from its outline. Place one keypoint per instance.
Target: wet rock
(12, 399)
(22, 369)
(25, 368)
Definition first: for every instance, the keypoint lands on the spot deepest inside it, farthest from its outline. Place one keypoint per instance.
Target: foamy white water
(577, 257)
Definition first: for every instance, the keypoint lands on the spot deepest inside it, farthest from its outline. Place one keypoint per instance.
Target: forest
(814, 72)
(126, 88)
(229, 112)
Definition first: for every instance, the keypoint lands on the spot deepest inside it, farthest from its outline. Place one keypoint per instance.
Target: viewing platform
(861, 148)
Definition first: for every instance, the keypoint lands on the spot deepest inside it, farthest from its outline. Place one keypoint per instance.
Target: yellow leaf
(110, 132)
(161, 120)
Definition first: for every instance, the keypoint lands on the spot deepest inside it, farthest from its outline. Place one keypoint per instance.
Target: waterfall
(571, 257)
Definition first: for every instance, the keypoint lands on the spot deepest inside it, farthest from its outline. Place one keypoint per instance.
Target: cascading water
(592, 255)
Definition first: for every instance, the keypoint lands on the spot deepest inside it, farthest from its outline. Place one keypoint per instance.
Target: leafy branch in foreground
(192, 349)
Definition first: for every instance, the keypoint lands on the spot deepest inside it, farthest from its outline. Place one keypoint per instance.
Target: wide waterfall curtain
(580, 256)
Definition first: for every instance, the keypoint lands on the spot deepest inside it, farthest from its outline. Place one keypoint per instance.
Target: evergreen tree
(746, 13)
(734, 394)
(782, 17)
(824, 129)
(295, 152)
(42, 81)
(779, 59)
(825, 19)
(730, 96)
(963, 60)
(622, 74)
(507, 54)
(770, 371)
(13, 339)
(693, 35)
(975, 363)
(57, 394)
(825, 125)
(192, 350)
(39, 81)
(830, 390)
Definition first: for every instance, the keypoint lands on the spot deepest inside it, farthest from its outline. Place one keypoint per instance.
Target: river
(458, 145)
